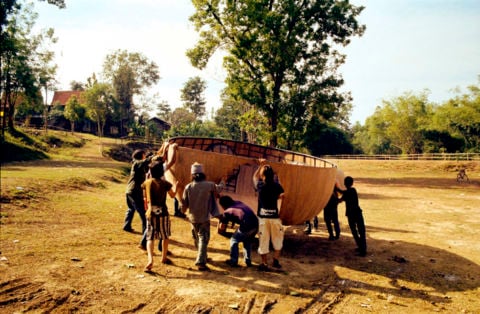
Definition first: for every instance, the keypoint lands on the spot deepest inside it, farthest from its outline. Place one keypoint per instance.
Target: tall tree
(129, 73)
(98, 102)
(460, 116)
(398, 126)
(25, 58)
(192, 96)
(17, 75)
(406, 118)
(280, 54)
(44, 66)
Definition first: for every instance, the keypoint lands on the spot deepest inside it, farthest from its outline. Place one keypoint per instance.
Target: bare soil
(63, 249)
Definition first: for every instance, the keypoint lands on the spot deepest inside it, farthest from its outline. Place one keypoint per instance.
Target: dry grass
(63, 250)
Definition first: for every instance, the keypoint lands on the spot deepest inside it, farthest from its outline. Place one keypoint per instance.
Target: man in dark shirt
(354, 215)
(134, 192)
(239, 213)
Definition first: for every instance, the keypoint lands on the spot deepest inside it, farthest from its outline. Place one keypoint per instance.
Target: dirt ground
(63, 249)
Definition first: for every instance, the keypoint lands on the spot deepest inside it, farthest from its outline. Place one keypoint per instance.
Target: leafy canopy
(280, 55)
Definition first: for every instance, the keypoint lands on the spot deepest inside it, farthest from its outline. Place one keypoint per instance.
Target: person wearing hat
(199, 197)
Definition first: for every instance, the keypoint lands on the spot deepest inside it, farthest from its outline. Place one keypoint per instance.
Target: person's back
(350, 197)
(134, 196)
(158, 186)
(239, 212)
(158, 221)
(249, 220)
(355, 216)
(330, 216)
(138, 171)
(198, 198)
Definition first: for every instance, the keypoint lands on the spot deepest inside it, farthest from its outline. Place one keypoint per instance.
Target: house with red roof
(155, 126)
(58, 103)
(61, 97)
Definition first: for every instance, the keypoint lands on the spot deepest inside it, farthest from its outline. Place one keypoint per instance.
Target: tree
(27, 107)
(280, 54)
(405, 116)
(58, 3)
(460, 117)
(74, 111)
(398, 126)
(326, 139)
(227, 117)
(192, 96)
(76, 85)
(129, 73)
(98, 102)
(181, 120)
(164, 111)
(372, 138)
(17, 76)
(43, 65)
(25, 59)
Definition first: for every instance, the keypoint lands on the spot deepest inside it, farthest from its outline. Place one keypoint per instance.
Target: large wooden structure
(308, 181)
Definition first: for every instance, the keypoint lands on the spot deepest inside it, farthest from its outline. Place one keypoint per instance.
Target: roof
(61, 97)
(164, 124)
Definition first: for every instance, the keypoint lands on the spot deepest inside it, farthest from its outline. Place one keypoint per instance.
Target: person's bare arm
(261, 163)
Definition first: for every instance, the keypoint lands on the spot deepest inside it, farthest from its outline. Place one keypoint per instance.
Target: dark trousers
(357, 226)
(134, 204)
(331, 218)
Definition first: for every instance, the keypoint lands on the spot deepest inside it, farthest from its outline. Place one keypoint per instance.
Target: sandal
(167, 262)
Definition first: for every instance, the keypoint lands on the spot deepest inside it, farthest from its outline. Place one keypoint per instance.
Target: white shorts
(270, 230)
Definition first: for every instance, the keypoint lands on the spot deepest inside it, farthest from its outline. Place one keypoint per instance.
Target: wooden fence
(431, 156)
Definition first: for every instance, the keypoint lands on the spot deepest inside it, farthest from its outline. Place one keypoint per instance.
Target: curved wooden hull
(308, 181)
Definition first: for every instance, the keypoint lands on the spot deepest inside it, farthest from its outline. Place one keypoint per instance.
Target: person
(270, 226)
(239, 213)
(330, 216)
(199, 197)
(308, 225)
(162, 155)
(155, 190)
(354, 215)
(134, 193)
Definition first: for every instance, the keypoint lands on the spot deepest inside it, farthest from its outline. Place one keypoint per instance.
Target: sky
(408, 46)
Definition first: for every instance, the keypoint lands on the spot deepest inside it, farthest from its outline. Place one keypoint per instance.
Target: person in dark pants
(239, 213)
(308, 225)
(330, 216)
(354, 215)
(134, 194)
